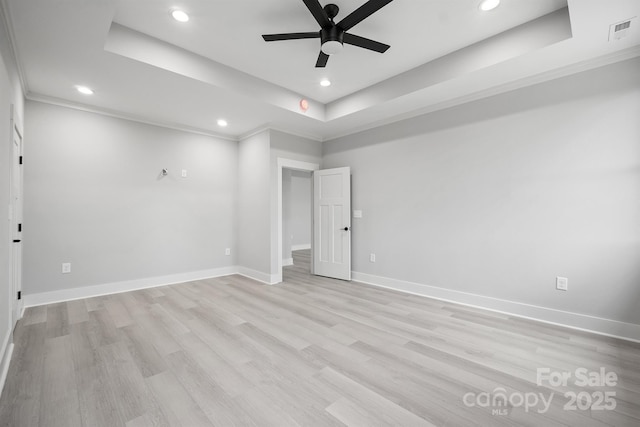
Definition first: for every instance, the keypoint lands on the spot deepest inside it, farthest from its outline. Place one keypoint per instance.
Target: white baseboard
(301, 247)
(287, 262)
(5, 358)
(583, 322)
(31, 300)
(269, 279)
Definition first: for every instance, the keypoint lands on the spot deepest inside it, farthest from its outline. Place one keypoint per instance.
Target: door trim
(284, 163)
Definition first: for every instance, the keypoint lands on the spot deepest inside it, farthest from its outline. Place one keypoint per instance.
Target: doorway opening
(295, 234)
(297, 199)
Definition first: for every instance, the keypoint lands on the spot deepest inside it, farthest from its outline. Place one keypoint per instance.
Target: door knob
(346, 229)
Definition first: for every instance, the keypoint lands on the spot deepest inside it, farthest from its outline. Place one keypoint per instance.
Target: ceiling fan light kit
(487, 5)
(332, 40)
(333, 36)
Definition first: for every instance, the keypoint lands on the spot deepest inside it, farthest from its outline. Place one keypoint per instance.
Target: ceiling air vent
(620, 30)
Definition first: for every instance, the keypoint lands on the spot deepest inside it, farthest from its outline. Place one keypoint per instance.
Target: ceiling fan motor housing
(331, 34)
(331, 38)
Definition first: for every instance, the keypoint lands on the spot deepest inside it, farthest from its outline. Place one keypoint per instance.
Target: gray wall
(500, 196)
(254, 202)
(95, 197)
(301, 199)
(296, 210)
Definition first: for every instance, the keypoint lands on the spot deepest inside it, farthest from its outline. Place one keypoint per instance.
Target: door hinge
(19, 228)
(19, 294)
(20, 160)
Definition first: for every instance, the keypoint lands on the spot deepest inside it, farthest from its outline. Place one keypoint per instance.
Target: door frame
(284, 163)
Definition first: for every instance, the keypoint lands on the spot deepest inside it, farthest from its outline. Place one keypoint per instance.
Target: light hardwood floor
(309, 352)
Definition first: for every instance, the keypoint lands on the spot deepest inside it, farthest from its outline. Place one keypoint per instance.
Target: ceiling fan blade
(361, 13)
(290, 36)
(318, 12)
(365, 43)
(322, 60)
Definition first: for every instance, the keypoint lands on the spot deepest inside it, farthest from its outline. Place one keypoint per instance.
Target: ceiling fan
(332, 35)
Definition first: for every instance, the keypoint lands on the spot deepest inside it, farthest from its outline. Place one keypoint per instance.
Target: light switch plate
(562, 283)
(357, 214)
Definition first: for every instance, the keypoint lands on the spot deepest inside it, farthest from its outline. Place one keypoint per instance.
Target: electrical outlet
(184, 173)
(227, 251)
(562, 283)
(66, 267)
(372, 257)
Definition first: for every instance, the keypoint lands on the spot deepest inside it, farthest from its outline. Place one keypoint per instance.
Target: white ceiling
(144, 65)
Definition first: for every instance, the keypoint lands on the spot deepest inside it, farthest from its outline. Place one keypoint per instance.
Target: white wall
(498, 197)
(10, 94)
(95, 197)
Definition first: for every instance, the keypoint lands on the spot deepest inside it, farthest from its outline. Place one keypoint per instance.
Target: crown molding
(125, 116)
(5, 15)
(578, 67)
(268, 126)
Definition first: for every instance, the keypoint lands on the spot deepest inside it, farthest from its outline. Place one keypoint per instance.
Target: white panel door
(332, 223)
(16, 223)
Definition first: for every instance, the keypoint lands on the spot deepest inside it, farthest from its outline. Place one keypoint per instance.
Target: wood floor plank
(362, 406)
(98, 401)
(157, 334)
(20, 400)
(262, 412)
(118, 312)
(144, 354)
(217, 405)
(34, 315)
(77, 311)
(175, 402)
(226, 375)
(57, 320)
(123, 375)
(152, 418)
(59, 404)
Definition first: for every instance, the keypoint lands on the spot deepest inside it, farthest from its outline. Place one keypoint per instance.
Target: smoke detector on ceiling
(621, 29)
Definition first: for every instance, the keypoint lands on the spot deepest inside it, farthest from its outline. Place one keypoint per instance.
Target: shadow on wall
(611, 79)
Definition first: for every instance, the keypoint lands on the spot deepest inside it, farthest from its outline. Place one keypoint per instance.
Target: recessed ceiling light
(487, 5)
(84, 90)
(179, 15)
(325, 82)
(222, 123)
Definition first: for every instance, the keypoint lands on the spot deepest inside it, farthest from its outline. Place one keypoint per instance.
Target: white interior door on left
(16, 223)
